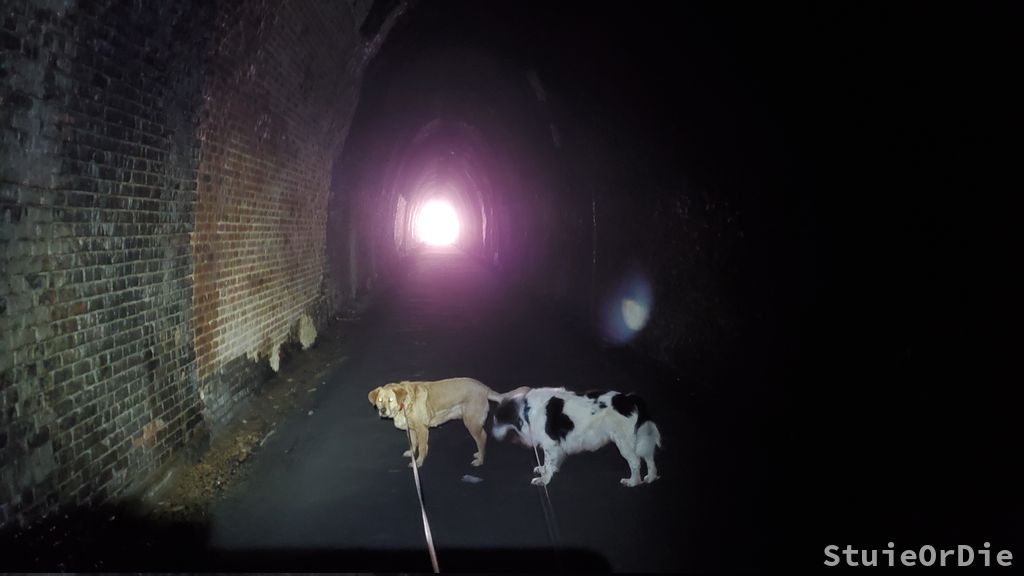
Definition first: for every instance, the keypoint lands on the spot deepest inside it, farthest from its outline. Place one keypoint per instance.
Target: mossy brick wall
(164, 170)
(98, 157)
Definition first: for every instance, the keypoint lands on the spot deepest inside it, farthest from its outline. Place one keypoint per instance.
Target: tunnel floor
(330, 491)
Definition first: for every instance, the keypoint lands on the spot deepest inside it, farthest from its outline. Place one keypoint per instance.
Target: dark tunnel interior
(562, 168)
(779, 227)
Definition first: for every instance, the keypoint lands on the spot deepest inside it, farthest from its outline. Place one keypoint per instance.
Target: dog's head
(509, 417)
(389, 399)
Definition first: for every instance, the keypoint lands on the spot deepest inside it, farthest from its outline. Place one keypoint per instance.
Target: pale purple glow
(437, 223)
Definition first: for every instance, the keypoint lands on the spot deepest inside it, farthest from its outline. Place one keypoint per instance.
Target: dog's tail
(647, 438)
(495, 397)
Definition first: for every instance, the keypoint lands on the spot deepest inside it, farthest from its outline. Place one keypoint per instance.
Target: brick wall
(164, 170)
(97, 193)
(278, 101)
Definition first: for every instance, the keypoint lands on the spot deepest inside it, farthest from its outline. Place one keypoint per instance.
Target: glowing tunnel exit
(437, 223)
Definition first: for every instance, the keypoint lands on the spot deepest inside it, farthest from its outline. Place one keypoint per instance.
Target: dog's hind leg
(648, 439)
(476, 430)
(652, 470)
(627, 447)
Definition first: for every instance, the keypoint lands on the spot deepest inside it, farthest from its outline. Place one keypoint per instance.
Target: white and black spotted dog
(562, 422)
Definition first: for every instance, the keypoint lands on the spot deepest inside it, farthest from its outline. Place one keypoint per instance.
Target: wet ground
(308, 477)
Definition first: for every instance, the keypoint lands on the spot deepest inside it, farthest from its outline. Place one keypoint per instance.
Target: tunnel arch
(454, 118)
(452, 160)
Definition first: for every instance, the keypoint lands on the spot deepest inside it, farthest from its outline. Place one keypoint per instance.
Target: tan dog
(418, 405)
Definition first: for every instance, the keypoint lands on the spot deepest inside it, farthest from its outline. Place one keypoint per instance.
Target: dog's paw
(538, 469)
(477, 462)
(651, 478)
(539, 481)
(629, 482)
(407, 453)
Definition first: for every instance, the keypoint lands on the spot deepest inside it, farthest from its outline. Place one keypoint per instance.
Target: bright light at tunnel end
(437, 223)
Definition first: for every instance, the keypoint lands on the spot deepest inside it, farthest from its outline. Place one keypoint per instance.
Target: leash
(549, 509)
(419, 494)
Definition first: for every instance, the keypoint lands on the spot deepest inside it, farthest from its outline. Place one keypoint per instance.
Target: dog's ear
(373, 395)
(401, 394)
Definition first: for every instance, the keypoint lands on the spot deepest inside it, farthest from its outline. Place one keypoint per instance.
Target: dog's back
(563, 422)
(609, 416)
(450, 398)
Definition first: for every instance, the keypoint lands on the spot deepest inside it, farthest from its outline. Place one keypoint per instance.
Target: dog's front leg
(412, 447)
(553, 457)
(420, 437)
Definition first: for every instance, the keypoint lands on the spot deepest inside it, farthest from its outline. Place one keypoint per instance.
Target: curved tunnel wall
(449, 161)
(271, 123)
(164, 172)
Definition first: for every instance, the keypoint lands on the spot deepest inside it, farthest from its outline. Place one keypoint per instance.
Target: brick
(133, 198)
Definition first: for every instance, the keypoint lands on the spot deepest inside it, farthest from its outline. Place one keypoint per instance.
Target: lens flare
(437, 223)
(634, 314)
(627, 309)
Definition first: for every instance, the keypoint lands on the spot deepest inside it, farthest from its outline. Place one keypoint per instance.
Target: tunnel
(226, 225)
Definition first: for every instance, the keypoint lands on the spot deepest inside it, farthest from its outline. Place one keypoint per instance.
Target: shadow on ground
(117, 539)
